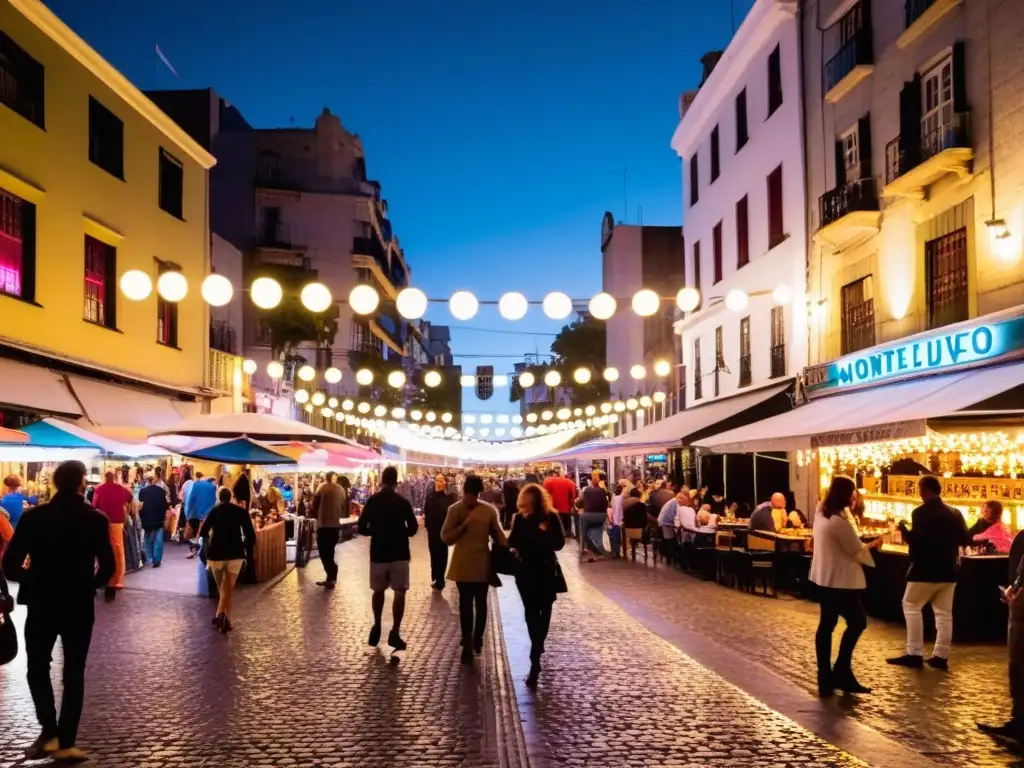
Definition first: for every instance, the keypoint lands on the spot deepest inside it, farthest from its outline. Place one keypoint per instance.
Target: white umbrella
(258, 426)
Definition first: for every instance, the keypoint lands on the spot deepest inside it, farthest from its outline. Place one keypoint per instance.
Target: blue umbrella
(241, 450)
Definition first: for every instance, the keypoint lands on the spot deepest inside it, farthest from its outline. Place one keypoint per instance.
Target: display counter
(270, 555)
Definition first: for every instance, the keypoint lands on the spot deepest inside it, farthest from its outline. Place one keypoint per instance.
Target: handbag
(8, 634)
(558, 579)
(504, 560)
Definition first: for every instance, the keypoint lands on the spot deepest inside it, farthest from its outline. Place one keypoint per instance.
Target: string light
(265, 292)
(136, 285)
(172, 286)
(316, 297)
(364, 299)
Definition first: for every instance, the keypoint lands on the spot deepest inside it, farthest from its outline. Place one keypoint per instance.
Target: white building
(740, 137)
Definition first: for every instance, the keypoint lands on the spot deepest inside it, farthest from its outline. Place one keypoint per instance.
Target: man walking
(595, 514)
(435, 510)
(330, 504)
(563, 496)
(68, 545)
(389, 521)
(938, 531)
(112, 499)
(201, 498)
(153, 516)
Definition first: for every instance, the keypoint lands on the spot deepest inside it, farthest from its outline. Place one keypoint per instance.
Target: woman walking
(469, 526)
(837, 568)
(228, 539)
(536, 536)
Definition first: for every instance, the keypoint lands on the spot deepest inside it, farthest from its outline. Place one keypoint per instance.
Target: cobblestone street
(294, 685)
(929, 711)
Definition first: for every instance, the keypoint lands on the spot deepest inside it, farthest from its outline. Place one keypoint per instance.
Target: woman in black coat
(536, 536)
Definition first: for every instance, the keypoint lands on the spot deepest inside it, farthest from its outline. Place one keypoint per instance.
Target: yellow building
(95, 181)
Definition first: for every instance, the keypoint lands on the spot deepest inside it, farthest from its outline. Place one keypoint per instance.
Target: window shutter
(910, 123)
(28, 252)
(864, 146)
(110, 286)
(960, 77)
(840, 165)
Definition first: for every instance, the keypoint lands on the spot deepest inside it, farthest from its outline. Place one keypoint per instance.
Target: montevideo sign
(944, 350)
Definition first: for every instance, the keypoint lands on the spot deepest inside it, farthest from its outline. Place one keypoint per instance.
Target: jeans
(592, 531)
(940, 595)
(117, 544)
(73, 625)
(153, 542)
(438, 558)
(537, 609)
(569, 524)
(473, 596)
(326, 541)
(615, 538)
(834, 603)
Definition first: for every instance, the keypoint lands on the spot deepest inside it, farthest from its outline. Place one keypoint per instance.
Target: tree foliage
(581, 344)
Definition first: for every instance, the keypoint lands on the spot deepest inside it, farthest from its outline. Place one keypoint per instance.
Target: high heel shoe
(532, 678)
(845, 681)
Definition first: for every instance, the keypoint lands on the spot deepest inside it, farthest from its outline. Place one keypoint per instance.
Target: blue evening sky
(500, 131)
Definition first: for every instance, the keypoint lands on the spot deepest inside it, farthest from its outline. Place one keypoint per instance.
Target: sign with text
(877, 434)
(657, 458)
(941, 351)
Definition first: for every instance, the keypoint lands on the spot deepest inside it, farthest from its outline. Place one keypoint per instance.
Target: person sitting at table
(997, 531)
(796, 519)
(706, 520)
(991, 512)
(769, 516)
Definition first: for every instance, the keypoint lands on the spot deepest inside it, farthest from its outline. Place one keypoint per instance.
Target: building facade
(739, 138)
(635, 257)
(95, 181)
(915, 167)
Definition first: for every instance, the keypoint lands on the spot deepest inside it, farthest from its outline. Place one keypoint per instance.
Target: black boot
(826, 687)
(532, 678)
(844, 680)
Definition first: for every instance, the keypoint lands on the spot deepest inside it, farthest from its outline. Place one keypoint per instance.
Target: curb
(508, 728)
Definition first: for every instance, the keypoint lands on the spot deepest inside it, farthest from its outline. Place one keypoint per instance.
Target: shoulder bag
(8, 634)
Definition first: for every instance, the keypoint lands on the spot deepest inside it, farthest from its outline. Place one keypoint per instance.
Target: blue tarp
(240, 451)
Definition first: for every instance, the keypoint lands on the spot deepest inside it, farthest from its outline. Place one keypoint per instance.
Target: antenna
(625, 193)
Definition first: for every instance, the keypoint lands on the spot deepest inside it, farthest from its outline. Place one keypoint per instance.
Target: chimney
(709, 60)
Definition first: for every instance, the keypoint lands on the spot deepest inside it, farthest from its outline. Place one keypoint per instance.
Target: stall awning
(35, 388)
(869, 415)
(241, 450)
(57, 433)
(121, 411)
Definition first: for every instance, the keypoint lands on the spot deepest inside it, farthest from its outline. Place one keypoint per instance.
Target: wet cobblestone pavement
(294, 685)
(928, 710)
(612, 693)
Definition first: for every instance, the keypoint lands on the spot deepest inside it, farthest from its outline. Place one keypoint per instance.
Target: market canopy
(57, 433)
(12, 436)
(869, 415)
(241, 450)
(258, 426)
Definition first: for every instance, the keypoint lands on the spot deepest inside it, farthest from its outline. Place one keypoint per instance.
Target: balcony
(853, 62)
(778, 361)
(224, 373)
(847, 213)
(943, 149)
(921, 15)
(223, 337)
(274, 235)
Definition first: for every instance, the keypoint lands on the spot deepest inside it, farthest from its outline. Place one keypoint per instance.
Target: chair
(637, 537)
(705, 555)
(762, 545)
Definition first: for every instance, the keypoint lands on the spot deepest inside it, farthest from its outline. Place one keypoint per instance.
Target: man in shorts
(389, 521)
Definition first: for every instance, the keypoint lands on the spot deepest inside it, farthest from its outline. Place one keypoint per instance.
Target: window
(745, 377)
(696, 273)
(100, 294)
(775, 228)
(172, 181)
(716, 250)
(106, 139)
(166, 315)
(858, 315)
(17, 246)
(774, 81)
(698, 383)
(778, 342)
(694, 191)
(851, 153)
(741, 120)
(719, 357)
(936, 106)
(715, 169)
(21, 82)
(946, 278)
(742, 233)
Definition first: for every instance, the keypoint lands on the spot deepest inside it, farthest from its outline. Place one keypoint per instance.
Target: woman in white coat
(837, 568)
